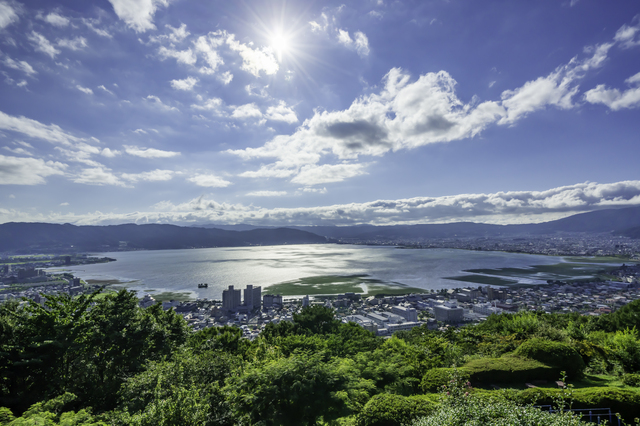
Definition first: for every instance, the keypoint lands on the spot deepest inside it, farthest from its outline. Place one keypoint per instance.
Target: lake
(182, 270)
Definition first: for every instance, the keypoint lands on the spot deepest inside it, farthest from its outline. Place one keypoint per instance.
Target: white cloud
(156, 101)
(20, 65)
(105, 89)
(613, 98)
(152, 176)
(41, 44)
(186, 84)
(246, 111)
(266, 193)
(326, 173)
(149, 152)
(98, 176)
(182, 56)
(499, 208)
(212, 104)
(211, 181)
(35, 129)
(56, 19)
(314, 190)
(207, 46)
(109, 153)
(344, 38)
(254, 60)
(138, 14)
(8, 13)
(84, 89)
(27, 171)
(626, 36)
(225, 77)
(174, 35)
(362, 44)
(140, 131)
(281, 112)
(17, 151)
(91, 24)
(64, 204)
(77, 43)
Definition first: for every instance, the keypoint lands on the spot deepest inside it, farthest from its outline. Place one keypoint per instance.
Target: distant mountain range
(624, 221)
(52, 237)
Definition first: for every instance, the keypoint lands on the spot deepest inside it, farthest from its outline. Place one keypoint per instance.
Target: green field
(558, 271)
(483, 279)
(337, 284)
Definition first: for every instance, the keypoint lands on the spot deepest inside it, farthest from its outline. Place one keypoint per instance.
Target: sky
(317, 113)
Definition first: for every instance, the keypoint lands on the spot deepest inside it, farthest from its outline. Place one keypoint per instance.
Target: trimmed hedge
(434, 379)
(631, 380)
(394, 410)
(509, 369)
(553, 354)
(623, 401)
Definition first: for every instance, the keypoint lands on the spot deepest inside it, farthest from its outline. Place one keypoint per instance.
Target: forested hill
(46, 236)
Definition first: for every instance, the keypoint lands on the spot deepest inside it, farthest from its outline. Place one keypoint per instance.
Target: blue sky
(303, 113)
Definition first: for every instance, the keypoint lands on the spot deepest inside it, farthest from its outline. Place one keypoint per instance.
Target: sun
(280, 44)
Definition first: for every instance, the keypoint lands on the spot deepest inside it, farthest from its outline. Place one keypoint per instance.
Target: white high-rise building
(231, 299)
(252, 297)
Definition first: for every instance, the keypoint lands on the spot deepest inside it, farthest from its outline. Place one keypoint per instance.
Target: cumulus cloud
(185, 84)
(208, 46)
(20, 65)
(8, 13)
(149, 152)
(35, 129)
(84, 89)
(246, 111)
(614, 98)
(57, 20)
(360, 42)
(407, 114)
(254, 60)
(314, 175)
(210, 181)
(281, 112)
(173, 35)
(157, 102)
(138, 14)
(186, 56)
(266, 193)
(77, 43)
(27, 171)
(152, 176)
(42, 44)
(499, 208)
(99, 176)
(212, 104)
(626, 36)
(109, 153)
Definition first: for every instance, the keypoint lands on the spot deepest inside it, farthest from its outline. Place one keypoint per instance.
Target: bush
(623, 401)
(508, 369)
(553, 354)
(394, 410)
(435, 378)
(631, 379)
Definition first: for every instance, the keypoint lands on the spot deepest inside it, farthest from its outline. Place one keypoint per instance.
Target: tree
(316, 320)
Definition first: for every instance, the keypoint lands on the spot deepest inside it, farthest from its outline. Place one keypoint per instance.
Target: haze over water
(182, 270)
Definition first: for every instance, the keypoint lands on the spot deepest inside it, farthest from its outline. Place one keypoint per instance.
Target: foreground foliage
(90, 360)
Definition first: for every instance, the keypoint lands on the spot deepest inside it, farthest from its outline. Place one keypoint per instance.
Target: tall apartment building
(252, 296)
(231, 299)
(271, 299)
(410, 314)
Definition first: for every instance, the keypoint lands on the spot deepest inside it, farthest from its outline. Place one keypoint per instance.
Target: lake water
(182, 270)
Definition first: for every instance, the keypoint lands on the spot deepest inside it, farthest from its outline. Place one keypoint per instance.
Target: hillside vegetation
(105, 361)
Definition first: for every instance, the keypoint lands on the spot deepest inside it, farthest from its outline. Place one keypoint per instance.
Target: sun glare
(280, 44)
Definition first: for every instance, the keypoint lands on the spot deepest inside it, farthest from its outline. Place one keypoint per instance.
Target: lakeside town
(383, 315)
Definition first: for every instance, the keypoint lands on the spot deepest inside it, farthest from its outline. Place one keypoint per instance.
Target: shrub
(435, 378)
(553, 354)
(508, 369)
(623, 401)
(631, 379)
(394, 410)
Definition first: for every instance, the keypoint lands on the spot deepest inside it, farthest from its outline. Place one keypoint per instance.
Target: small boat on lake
(204, 285)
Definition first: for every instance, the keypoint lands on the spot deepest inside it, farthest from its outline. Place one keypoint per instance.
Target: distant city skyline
(296, 113)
